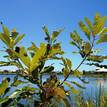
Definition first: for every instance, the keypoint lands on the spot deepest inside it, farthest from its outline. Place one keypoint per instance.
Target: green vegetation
(30, 63)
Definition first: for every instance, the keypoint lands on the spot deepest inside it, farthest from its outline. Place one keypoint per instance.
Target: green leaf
(76, 37)
(45, 29)
(74, 44)
(48, 69)
(37, 57)
(5, 30)
(90, 25)
(33, 47)
(104, 31)
(77, 73)
(47, 38)
(5, 39)
(71, 88)
(65, 71)
(102, 38)
(85, 29)
(87, 47)
(17, 82)
(78, 85)
(55, 50)
(96, 58)
(3, 86)
(98, 24)
(23, 56)
(55, 34)
(18, 39)
(69, 63)
(3, 100)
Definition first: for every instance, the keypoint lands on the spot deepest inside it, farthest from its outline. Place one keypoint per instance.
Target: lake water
(91, 91)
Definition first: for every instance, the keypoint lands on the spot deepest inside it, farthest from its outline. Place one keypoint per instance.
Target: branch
(80, 63)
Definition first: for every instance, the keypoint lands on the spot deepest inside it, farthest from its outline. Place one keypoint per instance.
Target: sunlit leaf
(24, 56)
(90, 25)
(76, 37)
(19, 38)
(37, 57)
(33, 47)
(77, 73)
(5, 39)
(55, 34)
(98, 24)
(85, 29)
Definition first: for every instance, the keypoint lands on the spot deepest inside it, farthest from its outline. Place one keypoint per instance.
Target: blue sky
(28, 16)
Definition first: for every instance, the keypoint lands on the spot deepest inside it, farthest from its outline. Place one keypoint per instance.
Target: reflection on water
(92, 88)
